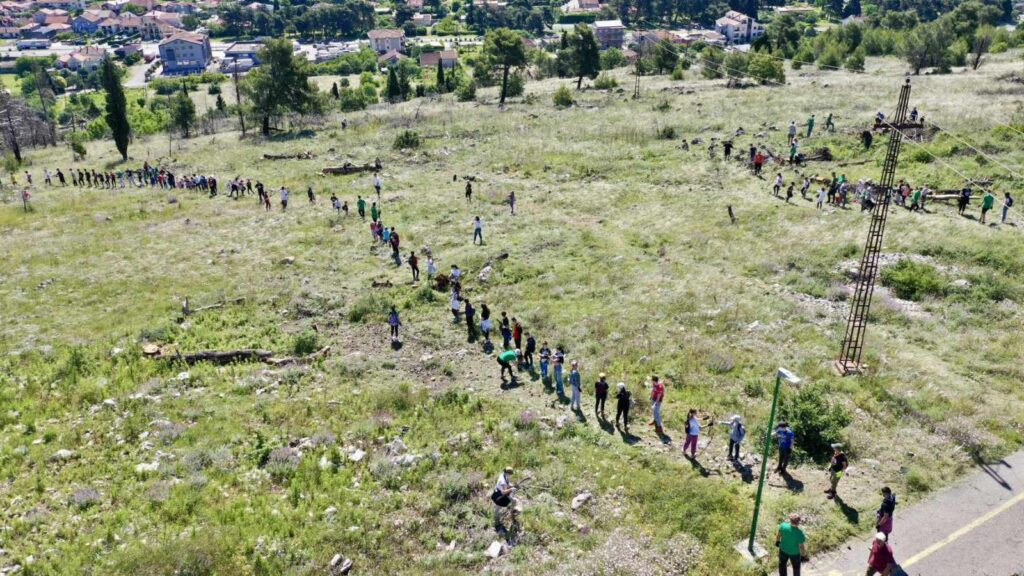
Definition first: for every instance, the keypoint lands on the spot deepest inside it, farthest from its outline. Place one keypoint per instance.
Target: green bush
(911, 280)
(406, 140)
(455, 487)
(563, 97)
(605, 82)
(667, 133)
(817, 421)
(516, 86)
(677, 73)
(368, 306)
(305, 343)
(466, 91)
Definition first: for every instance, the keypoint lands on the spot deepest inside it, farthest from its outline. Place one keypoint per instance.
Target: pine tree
(221, 105)
(183, 112)
(117, 106)
(394, 90)
(334, 91)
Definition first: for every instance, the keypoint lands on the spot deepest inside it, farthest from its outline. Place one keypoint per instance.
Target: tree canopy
(281, 84)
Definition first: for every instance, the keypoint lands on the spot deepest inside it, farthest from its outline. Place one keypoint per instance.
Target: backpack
(1009, 201)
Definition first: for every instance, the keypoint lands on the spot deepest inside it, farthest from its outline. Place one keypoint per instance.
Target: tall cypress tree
(441, 85)
(117, 106)
(394, 90)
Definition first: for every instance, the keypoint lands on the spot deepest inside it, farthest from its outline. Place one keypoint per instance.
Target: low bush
(816, 420)
(563, 97)
(406, 140)
(912, 280)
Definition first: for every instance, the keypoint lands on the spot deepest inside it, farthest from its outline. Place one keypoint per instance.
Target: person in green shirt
(374, 211)
(987, 202)
(361, 206)
(829, 125)
(810, 125)
(790, 540)
(915, 200)
(505, 359)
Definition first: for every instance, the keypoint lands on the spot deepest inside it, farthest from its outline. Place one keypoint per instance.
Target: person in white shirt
(456, 274)
(456, 305)
(822, 194)
(478, 230)
(284, 198)
(692, 433)
(377, 183)
(778, 184)
(503, 496)
(431, 268)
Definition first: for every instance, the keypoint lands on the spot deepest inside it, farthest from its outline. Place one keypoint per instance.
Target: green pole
(764, 462)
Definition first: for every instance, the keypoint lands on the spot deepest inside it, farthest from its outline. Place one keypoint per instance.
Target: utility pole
(849, 361)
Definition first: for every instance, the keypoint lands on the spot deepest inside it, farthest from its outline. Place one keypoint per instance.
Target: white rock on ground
(494, 550)
(580, 500)
(357, 455)
(146, 467)
(62, 454)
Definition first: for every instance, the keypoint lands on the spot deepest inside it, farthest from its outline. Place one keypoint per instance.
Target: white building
(384, 40)
(738, 28)
(185, 53)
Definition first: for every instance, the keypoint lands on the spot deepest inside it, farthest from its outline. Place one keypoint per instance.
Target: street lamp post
(791, 378)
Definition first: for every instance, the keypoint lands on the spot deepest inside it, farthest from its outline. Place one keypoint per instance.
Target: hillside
(620, 251)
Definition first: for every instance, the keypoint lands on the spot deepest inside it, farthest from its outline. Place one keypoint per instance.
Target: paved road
(975, 528)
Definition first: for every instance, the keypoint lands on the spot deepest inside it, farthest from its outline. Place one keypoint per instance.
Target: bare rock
(494, 550)
(580, 500)
(62, 455)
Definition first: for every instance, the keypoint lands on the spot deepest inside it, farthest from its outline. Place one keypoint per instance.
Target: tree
(765, 68)
(612, 58)
(983, 38)
(926, 45)
(221, 104)
(183, 112)
(712, 60)
(394, 91)
(665, 57)
(855, 63)
(853, 8)
(504, 50)
(583, 53)
(834, 8)
(281, 84)
(442, 86)
(334, 91)
(117, 105)
(735, 66)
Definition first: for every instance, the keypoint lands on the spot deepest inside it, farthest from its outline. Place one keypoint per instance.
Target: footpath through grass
(621, 251)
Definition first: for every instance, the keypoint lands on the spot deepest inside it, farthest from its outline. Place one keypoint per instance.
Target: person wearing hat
(883, 517)
(600, 395)
(790, 540)
(737, 431)
(880, 560)
(785, 435)
(575, 384)
(836, 469)
(623, 401)
(503, 495)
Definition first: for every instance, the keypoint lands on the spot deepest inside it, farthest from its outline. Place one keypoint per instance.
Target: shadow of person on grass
(511, 385)
(628, 437)
(704, 472)
(746, 472)
(488, 347)
(792, 484)
(605, 425)
(396, 344)
(851, 514)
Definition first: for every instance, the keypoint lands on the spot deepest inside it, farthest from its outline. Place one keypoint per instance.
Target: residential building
(179, 7)
(446, 58)
(653, 37)
(797, 10)
(169, 18)
(384, 40)
(114, 5)
(8, 31)
(390, 57)
(185, 53)
(738, 28)
(146, 5)
(581, 6)
(415, 4)
(41, 16)
(69, 5)
(156, 29)
(87, 58)
(709, 37)
(610, 33)
(88, 22)
(422, 20)
(244, 51)
(126, 23)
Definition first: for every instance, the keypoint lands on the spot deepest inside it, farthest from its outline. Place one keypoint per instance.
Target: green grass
(621, 251)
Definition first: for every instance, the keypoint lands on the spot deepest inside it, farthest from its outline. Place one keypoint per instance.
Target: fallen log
(225, 357)
(186, 311)
(350, 168)
(297, 156)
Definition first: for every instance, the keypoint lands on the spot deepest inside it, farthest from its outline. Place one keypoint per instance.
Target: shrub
(305, 343)
(563, 97)
(368, 305)
(816, 421)
(667, 133)
(282, 464)
(911, 280)
(516, 86)
(466, 91)
(406, 140)
(677, 73)
(455, 487)
(605, 82)
(213, 90)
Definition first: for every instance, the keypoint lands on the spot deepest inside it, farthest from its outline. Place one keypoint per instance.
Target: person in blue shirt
(785, 435)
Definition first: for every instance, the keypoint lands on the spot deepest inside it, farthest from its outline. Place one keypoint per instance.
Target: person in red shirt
(881, 560)
(758, 163)
(657, 397)
(517, 333)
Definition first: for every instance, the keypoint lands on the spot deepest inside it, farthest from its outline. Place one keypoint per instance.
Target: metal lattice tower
(849, 361)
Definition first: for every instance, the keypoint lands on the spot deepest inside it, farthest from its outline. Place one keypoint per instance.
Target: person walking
(794, 146)
(777, 187)
(545, 360)
(600, 395)
(284, 199)
(361, 207)
(822, 194)
(883, 517)
(310, 195)
(512, 202)
(394, 323)
(785, 435)
(374, 212)
(455, 275)
(792, 130)
(1007, 204)
(810, 126)
(829, 124)
(987, 202)
(576, 385)
(414, 265)
(455, 304)
(692, 433)
(657, 397)
(622, 404)
(963, 201)
(377, 184)
(758, 163)
(485, 322)
(431, 268)
(470, 312)
(737, 431)
(469, 191)
(880, 559)
(478, 230)
(790, 539)
(506, 330)
(836, 468)
(335, 203)
(727, 148)
(505, 359)
(559, 360)
(531, 347)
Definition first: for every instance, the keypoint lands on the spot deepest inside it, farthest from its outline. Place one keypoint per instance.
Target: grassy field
(621, 251)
